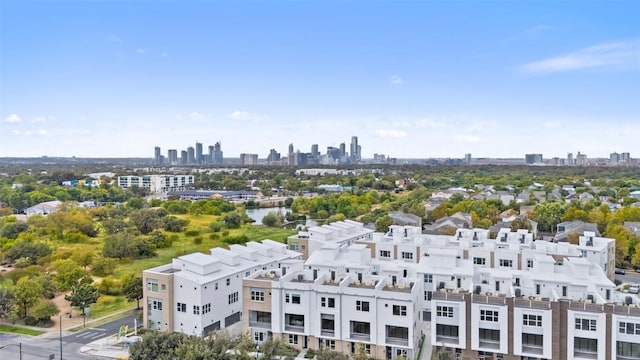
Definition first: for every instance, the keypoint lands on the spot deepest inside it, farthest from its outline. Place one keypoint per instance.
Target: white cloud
(141, 50)
(617, 54)
(391, 133)
(554, 124)
(396, 80)
(113, 39)
(466, 138)
(42, 119)
(13, 119)
(241, 115)
(196, 116)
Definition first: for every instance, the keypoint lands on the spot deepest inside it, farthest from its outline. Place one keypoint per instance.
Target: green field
(19, 330)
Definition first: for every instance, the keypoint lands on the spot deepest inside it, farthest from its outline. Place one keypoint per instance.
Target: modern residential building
(172, 156)
(200, 293)
(530, 159)
(341, 232)
(199, 159)
(249, 159)
(157, 184)
(157, 157)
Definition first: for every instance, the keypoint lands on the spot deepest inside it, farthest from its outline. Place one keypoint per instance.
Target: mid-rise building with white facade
(200, 293)
(341, 232)
(157, 184)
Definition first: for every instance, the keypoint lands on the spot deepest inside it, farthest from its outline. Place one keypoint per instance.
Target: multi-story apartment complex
(157, 184)
(199, 293)
(507, 297)
(342, 298)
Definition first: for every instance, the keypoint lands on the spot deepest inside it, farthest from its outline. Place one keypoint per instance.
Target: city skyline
(413, 80)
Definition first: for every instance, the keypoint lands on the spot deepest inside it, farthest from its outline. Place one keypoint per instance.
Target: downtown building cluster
(341, 285)
(190, 156)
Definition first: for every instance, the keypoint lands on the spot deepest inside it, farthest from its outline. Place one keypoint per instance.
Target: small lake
(259, 213)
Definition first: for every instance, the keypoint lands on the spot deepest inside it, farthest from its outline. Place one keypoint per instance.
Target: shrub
(192, 233)
(197, 240)
(214, 236)
(237, 239)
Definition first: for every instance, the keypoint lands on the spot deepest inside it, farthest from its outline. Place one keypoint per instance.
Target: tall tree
(83, 295)
(132, 289)
(27, 292)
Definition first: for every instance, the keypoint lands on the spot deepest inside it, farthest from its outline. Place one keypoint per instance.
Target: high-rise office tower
(172, 156)
(273, 157)
(191, 157)
(291, 148)
(314, 151)
(199, 157)
(355, 149)
(343, 150)
(184, 157)
(157, 158)
(217, 154)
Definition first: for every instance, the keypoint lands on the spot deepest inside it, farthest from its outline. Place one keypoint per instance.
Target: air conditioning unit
(518, 292)
(590, 297)
(441, 285)
(628, 300)
(477, 290)
(300, 277)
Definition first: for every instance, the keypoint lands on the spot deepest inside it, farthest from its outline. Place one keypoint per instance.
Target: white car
(634, 289)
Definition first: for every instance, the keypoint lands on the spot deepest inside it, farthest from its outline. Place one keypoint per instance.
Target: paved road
(41, 347)
(104, 330)
(629, 277)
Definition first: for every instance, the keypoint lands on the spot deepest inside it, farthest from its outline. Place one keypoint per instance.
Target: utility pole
(60, 337)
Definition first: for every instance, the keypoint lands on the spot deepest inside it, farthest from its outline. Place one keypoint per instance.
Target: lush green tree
(122, 246)
(7, 302)
(26, 293)
(41, 312)
(147, 220)
(272, 220)
(132, 289)
(83, 295)
(173, 224)
(548, 215)
(11, 230)
(69, 274)
(383, 223)
(103, 266)
(232, 220)
(48, 285)
(29, 250)
(158, 346)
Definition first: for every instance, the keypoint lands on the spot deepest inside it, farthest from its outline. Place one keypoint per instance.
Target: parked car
(619, 271)
(634, 289)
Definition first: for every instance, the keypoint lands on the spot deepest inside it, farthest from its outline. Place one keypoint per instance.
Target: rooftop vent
(590, 241)
(300, 277)
(518, 292)
(628, 300)
(477, 290)
(441, 285)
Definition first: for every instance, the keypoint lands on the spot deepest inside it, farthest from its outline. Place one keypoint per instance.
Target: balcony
(577, 354)
(447, 339)
(489, 344)
(397, 341)
(327, 332)
(360, 336)
(294, 328)
(260, 324)
(532, 349)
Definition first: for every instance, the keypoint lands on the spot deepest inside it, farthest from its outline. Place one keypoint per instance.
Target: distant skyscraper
(355, 149)
(625, 156)
(210, 156)
(172, 156)
(314, 150)
(191, 157)
(184, 157)
(333, 153)
(249, 159)
(343, 150)
(273, 157)
(467, 158)
(157, 158)
(581, 159)
(199, 157)
(291, 148)
(569, 159)
(614, 158)
(217, 154)
(533, 159)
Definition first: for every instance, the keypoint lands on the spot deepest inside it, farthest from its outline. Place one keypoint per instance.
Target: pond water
(258, 214)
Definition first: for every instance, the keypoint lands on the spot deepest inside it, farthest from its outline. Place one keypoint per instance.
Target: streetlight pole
(84, 316)
(19, 345)
(61, 336)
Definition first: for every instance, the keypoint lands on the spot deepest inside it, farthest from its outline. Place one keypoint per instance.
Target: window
(529, 263)
(330, 344)
(627, 349)
(206, 308)
(447, 330)
(216, 286)
(293, 246)
(293, 339)
(385, 253)
(257, 294)
(489, 315)
(292, 298)
(327, 324)
(258, 336)
(489, 335)
(585, 345)
(294, 320)
(479, 261)
(397, 332)
(400, 310)
(444, 311)
(586, 324)
(233, 297)
(534, 340)
(228, 282)
(506, 263)
(182, 307)
(532, 320)
(362, 305)
(157, 305)
(428, 295)
(629, 328)
(564, 291)
(327, 302)
(428, 278)
(196, 309)
(359, 328)
(407, 255)
(163, 287)
(152, 285)
(537, 289)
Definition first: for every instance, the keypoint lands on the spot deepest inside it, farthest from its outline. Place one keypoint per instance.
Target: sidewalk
(108, 347)
(72, 323)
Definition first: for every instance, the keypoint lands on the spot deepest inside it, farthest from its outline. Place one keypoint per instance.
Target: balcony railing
(294, 328)
(489, 344)
(359, 336)
(532, 349)
(397, 341)
(577, 354)
(327, 332)
(260, 324)
(447, 339)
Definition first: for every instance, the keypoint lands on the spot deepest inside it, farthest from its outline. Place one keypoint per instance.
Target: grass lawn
(19, 330)
(108, 304)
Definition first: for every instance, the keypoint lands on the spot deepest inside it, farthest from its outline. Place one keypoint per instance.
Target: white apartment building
(199, 293)
(342, 298)
(157, 184)
(341, 232)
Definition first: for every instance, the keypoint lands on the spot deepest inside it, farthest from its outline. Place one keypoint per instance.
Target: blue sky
(410, 79)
